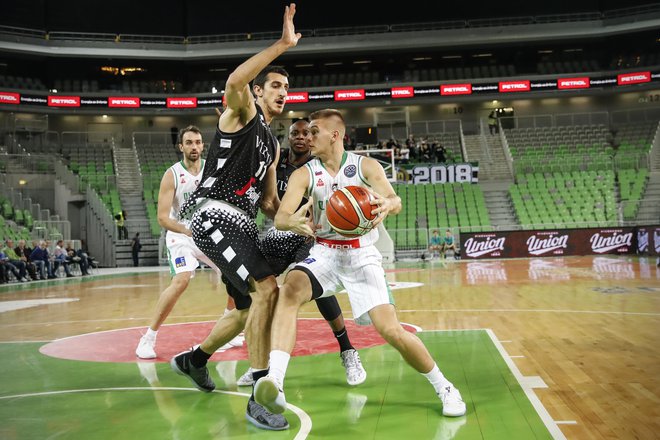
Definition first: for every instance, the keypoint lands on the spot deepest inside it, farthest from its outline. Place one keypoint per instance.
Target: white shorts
(184, 255)
(358, 271)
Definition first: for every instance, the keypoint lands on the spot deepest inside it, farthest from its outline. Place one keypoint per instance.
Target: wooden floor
(588, 327)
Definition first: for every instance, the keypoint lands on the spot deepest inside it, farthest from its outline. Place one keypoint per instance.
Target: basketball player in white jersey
(179, 181)
(336, 263)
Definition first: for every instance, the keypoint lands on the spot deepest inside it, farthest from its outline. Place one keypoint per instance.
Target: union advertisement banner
(552, 243)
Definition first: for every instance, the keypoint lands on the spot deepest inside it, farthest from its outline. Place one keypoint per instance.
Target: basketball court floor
(540, 349)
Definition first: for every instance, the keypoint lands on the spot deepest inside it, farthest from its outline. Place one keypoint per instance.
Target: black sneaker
(198, 376)
(264, 419)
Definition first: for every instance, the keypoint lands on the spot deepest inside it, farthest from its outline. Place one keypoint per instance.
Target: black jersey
(284, 171)
(236, 166)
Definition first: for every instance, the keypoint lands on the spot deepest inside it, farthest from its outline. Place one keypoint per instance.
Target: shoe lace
(351, 359)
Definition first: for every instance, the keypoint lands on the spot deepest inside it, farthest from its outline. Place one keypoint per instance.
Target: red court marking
(314, 337)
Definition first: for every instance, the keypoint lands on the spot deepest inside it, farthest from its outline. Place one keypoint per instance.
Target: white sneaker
(236, 342)
(145, 349)
(268, 392)
(452, 402)
(246, 379)
(355, 373)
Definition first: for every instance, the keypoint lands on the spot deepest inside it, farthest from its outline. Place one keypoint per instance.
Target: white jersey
(322, 185)
(183, 254)
(184, 185)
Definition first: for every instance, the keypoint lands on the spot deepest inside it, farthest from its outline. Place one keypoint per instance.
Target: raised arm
(240, 102)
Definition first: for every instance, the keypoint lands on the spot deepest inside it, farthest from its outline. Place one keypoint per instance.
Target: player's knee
(290, 296)
(181, 281)
(392, 334)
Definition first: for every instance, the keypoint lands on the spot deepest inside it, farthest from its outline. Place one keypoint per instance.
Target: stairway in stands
(129, 185)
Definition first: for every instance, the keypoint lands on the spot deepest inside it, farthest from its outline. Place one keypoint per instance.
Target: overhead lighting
(333, 63)
(214, 90)
(121, 70)
(218, 69)
(304, 65)
(544, 51)
(422, 58)
(53, 90)
(105, 116)
(482, 55)
(451, 57)
(362, 62)
(22, 182)
(573, 50)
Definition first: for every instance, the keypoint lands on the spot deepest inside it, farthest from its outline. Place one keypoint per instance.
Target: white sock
(151, 334)
(437, 379)
(279, 361)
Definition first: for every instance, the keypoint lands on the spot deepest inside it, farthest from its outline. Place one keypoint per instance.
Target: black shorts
(281, 248)
(231, 240)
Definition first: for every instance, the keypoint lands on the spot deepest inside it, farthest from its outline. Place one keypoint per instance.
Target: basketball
(349, 211)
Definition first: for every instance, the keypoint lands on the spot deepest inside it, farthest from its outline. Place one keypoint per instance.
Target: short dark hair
(183, 131)
(260, 79)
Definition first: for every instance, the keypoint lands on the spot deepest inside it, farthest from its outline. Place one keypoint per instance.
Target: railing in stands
(642, 12)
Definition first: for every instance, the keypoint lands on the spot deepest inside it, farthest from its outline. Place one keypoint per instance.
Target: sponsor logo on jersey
(180, 261)
(320, 183)
(308, 260)
(350, 171)
(318, 173)
(334, 187)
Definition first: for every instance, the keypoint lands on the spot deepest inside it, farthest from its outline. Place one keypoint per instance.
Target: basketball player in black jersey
(238, 179)
(282, 248)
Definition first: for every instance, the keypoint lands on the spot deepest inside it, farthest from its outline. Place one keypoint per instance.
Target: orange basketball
(349, 211)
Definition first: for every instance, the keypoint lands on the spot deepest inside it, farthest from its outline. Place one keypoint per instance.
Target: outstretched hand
(289, 34)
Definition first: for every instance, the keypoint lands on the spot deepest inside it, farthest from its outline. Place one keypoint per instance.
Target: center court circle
(314, 337)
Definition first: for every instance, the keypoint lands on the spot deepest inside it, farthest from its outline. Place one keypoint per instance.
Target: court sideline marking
(528, 383)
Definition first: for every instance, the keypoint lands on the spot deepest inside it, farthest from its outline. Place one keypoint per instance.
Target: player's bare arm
(240, 102)
(289, 217)
(270, 201)
(165, 198)
(386, 201)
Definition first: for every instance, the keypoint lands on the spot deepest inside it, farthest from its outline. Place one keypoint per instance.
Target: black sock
(342, 339)
(256, 375)
(199, 358)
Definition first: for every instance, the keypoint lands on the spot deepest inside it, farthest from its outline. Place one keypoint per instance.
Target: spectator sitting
(449, 243)
(23, 254)
(14, 260)
(435, 244)
(61, 258)
(424, 152)
(8, 267)
(405, 154)
(80, 260)
(441, 154)
(40, 258)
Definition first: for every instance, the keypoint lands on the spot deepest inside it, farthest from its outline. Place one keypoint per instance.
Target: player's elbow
(162, 220)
